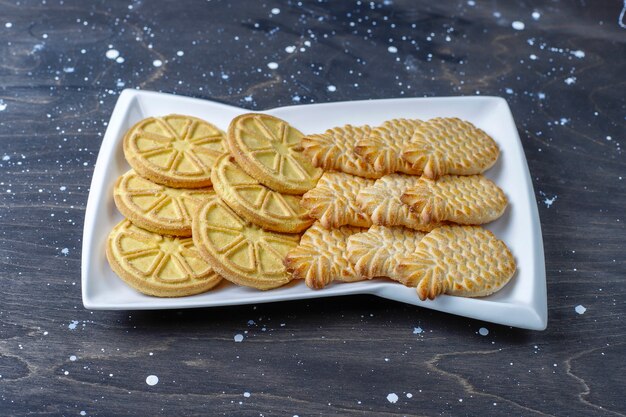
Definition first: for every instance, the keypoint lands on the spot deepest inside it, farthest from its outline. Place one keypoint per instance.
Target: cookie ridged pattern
(269, 149)
(450, 146)
(321, 256)
(471, 199)
(257, 203)
(174, 150)
(467, 261)
(333, 150)
(375, 253)
(383, 147)
(333, 200)
(157, 265)
(158, 208)
(240, 251)
(381, 201)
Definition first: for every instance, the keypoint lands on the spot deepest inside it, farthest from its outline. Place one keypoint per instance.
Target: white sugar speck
(483, 331)
(509, 91)
(578, 54)
(72, 324)
(331, 88)
(238, 338)
(83, 413)
(533, 57)
(68, 70)
(392, 49)
(570, 80)
(272, 65)
(246, 394)
(275, 10)
(73, 358)
(8, 25)
(65, 251)
(290, 49)
(3, 105)
(392, 398)
(180, 53)
(120, 60)
(536, 15)
(157, 63)
(549, 201)
(152, 380)
(580, 309)
(6, 158)
(418, 330)
(112, 53)
(409, 395)
(517, 25)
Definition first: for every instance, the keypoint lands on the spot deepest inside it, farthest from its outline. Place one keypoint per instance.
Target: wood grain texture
(563, 76)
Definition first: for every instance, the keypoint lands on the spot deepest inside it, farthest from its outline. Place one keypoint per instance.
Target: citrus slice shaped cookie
(255, 202)
(471, 199)
(240, 251)
(333, 200)
(158, 265)
(450, 146)
(269, 149)
(381, 201)
(382, 148)
(467, 261)
(333, 150)
(375, 252)
(158, 208)
(174, 150)
(321, 256)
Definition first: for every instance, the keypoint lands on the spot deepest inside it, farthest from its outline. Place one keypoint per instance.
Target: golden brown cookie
(467, 261)
(158, 265)
(471, 199)
(381, 201)
(269, 149)
(321, 256)
(450, 146)
(382, 148)
(333, 150)
(174, 150)
(375, 252)
(240, 251)
(158, 208)
(333, 200)
(255, 202)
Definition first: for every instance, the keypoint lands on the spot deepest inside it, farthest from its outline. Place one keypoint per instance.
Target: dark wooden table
(561, 66)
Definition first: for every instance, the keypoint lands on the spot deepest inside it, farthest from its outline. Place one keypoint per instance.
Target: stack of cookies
(404, 200)
(262, 204)
(202, 205)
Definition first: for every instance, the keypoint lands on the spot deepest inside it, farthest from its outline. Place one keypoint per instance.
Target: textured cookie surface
(174, 150)
(333, 200)
(255, 202)
(381, 201)
(333, 150)
(321, 256)
(270, 150)
(382, 148)
(158, 265)
(240, 251)
(158, 208)
(468, 261)
(471, 199)
(450, 146)
(375, 253)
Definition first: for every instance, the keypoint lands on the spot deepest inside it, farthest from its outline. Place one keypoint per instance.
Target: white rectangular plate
(521, 303)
